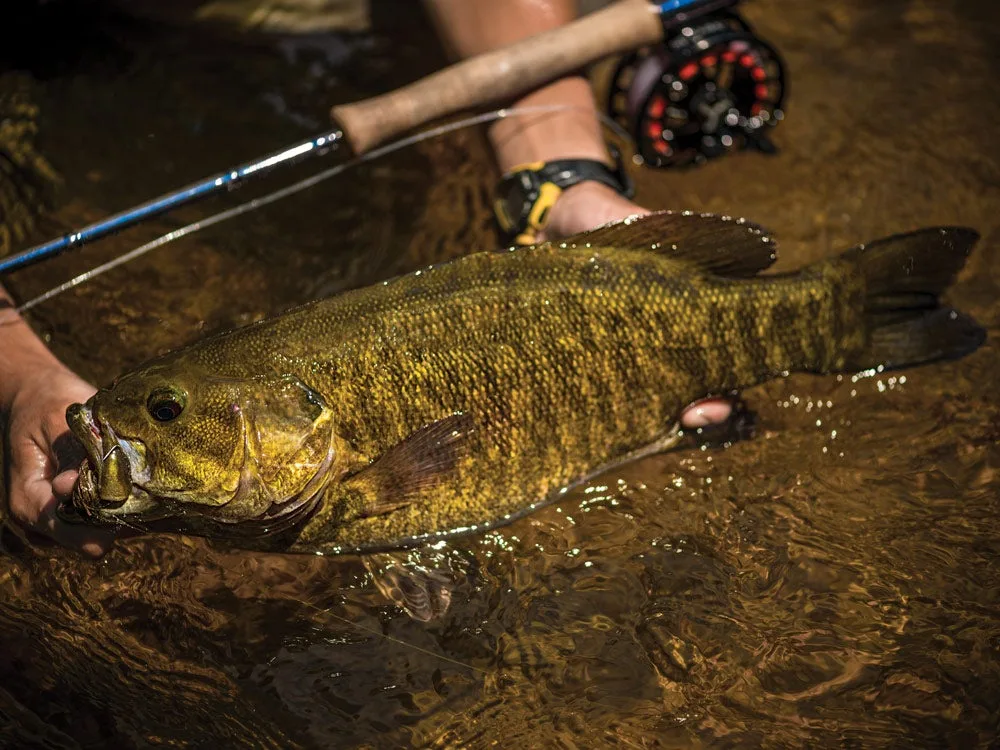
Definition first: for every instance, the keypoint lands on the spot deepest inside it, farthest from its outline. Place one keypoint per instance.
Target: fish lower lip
(115, 477)
(107, 505)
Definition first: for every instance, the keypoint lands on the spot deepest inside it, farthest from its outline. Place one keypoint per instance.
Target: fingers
(63, 482)
(67, 451)
(92, 542)
(706, 412)
(33, 503)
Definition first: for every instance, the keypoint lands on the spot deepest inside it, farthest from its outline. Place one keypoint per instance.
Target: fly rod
(496, 76)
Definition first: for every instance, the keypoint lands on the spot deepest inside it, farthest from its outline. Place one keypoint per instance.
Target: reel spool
(711, 87)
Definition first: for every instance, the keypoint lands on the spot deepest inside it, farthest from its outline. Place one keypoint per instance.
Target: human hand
(586, 206)
(42, 455)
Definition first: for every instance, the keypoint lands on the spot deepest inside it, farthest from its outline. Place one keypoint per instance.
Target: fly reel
(711, 87)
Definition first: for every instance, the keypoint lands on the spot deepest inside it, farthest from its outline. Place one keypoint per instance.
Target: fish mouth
(106, 489)
(110, 490)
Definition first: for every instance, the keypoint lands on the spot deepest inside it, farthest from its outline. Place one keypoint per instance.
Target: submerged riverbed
(833, 582)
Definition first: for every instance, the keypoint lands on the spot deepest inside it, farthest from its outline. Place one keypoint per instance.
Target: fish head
(172, 448)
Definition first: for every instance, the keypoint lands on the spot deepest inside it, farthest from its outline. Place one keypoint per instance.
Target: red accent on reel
(710, 88)
(657, 106)
(688, 71)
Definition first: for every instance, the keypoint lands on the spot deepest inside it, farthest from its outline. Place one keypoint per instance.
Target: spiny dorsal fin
(407, 469)
(718, 244)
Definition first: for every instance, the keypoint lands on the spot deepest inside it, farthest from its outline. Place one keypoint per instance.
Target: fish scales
(565, 357)
(463, 395)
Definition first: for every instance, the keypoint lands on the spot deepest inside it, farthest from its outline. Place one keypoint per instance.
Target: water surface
(832, 583)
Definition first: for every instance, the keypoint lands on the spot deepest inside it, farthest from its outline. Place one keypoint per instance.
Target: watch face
(515, 196)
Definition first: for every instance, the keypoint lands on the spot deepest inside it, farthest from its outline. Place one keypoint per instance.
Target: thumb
(63, 483)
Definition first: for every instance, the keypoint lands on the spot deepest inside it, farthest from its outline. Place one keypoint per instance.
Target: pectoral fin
(409, 468)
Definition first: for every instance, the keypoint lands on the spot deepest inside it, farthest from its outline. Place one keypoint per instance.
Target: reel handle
(502, 74)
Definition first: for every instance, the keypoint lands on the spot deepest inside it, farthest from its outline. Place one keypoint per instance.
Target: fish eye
(165, 405)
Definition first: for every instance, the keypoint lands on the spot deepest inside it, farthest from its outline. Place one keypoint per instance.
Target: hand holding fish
(35, 389)
(370, 421)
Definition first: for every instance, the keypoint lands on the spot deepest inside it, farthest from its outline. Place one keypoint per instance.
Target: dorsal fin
(719, 244)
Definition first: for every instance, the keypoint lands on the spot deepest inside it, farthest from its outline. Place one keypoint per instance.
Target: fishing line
(391, 638)
(297, 187)
(256, 203)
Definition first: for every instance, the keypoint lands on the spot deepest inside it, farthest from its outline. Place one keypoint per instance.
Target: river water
(833, 582)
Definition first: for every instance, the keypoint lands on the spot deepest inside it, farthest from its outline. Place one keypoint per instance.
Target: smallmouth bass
(460, 397)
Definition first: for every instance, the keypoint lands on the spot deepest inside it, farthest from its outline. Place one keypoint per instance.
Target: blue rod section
(686, 9)
(316, 145)
(673, 6)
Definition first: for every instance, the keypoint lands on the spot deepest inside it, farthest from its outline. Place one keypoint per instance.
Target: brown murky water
(832, 583)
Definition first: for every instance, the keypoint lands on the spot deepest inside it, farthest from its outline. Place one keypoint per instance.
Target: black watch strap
(527, 193)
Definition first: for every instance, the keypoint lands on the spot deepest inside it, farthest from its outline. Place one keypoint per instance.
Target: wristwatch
(525, 195)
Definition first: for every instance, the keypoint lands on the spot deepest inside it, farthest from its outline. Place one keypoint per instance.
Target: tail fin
(905, 274)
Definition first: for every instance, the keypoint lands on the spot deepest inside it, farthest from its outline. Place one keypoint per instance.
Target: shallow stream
(834, 582)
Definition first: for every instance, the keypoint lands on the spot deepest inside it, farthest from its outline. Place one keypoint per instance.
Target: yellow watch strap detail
(503, 219)
(533, 166)
(538, 217)
(548, 194)
(526, 193)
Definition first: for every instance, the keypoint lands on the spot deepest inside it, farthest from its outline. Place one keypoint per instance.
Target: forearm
(22, 353)
(469, 27)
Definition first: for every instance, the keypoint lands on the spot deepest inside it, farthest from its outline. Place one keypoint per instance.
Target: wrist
(568, 134)
(23, 356)
(534, 196)
(587, 206)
